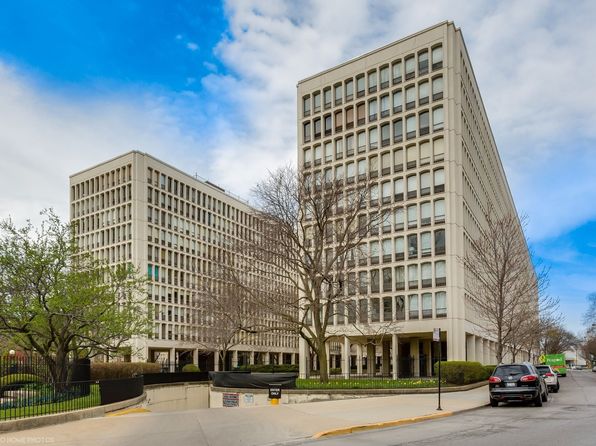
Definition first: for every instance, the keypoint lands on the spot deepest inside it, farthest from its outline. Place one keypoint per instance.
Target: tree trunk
(322, 358)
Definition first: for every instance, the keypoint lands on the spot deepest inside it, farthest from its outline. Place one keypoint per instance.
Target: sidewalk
(250, 426)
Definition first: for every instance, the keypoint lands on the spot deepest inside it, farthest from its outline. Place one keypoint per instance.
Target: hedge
(19, 378)
(268, 368)
(115, 370)
(190, 368)
(462, 372)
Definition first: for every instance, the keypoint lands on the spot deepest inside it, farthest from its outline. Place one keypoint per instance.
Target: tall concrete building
(408, 116)
(137, 209)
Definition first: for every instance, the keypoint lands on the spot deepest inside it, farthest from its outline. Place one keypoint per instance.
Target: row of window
(102, 201)
(374, 79)
(102, 219)
(101, 182)
(415, 125)
(378, 108)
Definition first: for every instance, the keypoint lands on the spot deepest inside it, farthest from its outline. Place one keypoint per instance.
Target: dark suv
(517, 382)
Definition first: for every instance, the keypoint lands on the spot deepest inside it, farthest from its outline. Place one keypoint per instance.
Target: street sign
(436, 334)
(275, 392)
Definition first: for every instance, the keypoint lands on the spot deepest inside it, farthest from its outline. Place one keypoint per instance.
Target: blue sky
(210, 88)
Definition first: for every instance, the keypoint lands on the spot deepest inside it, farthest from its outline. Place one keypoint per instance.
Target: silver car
(550, 377)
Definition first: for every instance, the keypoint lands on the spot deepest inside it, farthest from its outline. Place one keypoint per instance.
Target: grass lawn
(368, 383)
(82, 402)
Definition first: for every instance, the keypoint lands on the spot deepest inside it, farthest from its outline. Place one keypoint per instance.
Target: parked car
(594, 368)
(550, 377)
(517, 382)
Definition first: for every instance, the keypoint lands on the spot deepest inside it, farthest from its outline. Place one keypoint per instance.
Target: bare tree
(590, 314)
(505, 287)
(311, 237)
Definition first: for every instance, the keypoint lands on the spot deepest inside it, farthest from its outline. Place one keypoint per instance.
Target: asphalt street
(568, 418)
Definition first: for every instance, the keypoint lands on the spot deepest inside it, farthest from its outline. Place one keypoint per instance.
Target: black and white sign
(275, 392)
(230, 400)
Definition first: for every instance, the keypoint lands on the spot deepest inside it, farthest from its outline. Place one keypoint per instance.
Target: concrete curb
(392, 423)
(64, 417)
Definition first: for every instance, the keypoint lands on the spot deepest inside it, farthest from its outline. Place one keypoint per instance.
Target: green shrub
(190, 368)
(489, 370)
(268, 368)
(461, 372)
(335, 371)
(19, 378)
(116, 370)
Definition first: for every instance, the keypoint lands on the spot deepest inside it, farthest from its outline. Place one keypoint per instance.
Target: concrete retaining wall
(177, 396)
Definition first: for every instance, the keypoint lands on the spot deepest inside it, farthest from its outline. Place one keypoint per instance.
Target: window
(411, 127)
(398, 189)
(399, 218)
(328, 152)
(373, 138)
(385, 160)
(372, 81)
(439, 175)
(360, 114)
(384, 75)
(360, 90)
(413, 306)
(412, 216)
(438, 149)
(425, 187)
(349, 145)
(363, 311)
(306, 106)
(400, 278)
(398, 131)
(339, 149)
(387, 282)
(440, 242)
(317, 101)
(398, 160)
(372, 110)
(411, 157)
(397, 72)
(437, 57)
(410, 97)
(425, 244)
(327, 175)
(412, 186)
(399, 248)
(306, 132)
(339, 173)
(340, 310)
(307, 157)
(441, 304)
(349, 90)
(374, 166)
(438, 119)
(386, 192)
(385, 136)
(387, 309)
(337, 92)
(374, 280)
(400, 308)
(328, 125)
(327, 97)
(361, 169)
(363, 282)
(375, 310)
(318, 155)
(349, 118)
(424, 153)
(361, 142)
(410, 67)
(423, 93)
(386, 221)
(412, 246)
(350, 172)
(437, 88)
(351, 312)
(317, 127)
(439, 211)
(425, 213)
(385, 106)
(398, 100)
(426, 274)
(440, 279)
(423, 62)
(423, 123)
(427, 305)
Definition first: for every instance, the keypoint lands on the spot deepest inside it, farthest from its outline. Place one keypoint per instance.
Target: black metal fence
(19, 366)
(175, 377)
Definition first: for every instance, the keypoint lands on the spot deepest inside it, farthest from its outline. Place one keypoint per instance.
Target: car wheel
(544, 397)
(538, 400)
(494, 403)
(557, 389)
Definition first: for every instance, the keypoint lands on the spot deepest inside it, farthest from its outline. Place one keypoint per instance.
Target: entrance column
(414, 352)
(172, 360)
(394, 354)
(267, 358)
(216, 360)
(359, 359)
(328, 355)
(235, 358)
(470, 348)
(371, 358)
(429, 357)
(479, 350)
(303, 372)
(385, 358)
(345, 358)
(195, 356)
(485, 349)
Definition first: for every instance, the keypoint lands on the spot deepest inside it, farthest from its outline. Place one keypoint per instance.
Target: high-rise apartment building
(137, 209)
(408, 117)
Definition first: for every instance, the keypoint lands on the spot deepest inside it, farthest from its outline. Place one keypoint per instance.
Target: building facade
(136, 209)
(409, 117)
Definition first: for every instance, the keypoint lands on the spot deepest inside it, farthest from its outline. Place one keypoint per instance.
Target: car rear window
(513, 370)
(542, 368)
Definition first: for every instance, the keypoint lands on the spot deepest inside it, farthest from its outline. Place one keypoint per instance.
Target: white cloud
(45, 137)
(192, 46)
(531, 60)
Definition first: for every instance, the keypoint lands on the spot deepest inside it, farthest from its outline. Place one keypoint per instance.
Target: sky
(210, 87)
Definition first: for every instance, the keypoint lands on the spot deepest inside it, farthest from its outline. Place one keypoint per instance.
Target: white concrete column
(371, 359)
(303, 371)
(327, 351)
(345, 358)
(172, 359)
(251, 359)
(394, 354)
(359, 359)
(429, 356)
(470, 348)
(292, 358)
(386, 352)
(216, 360)
(235, 358)
(267, 358)
(485, 349)
(479, 350)
(414, 352)
(195, 356)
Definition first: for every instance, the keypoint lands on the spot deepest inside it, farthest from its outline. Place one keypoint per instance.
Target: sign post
(437, 338)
